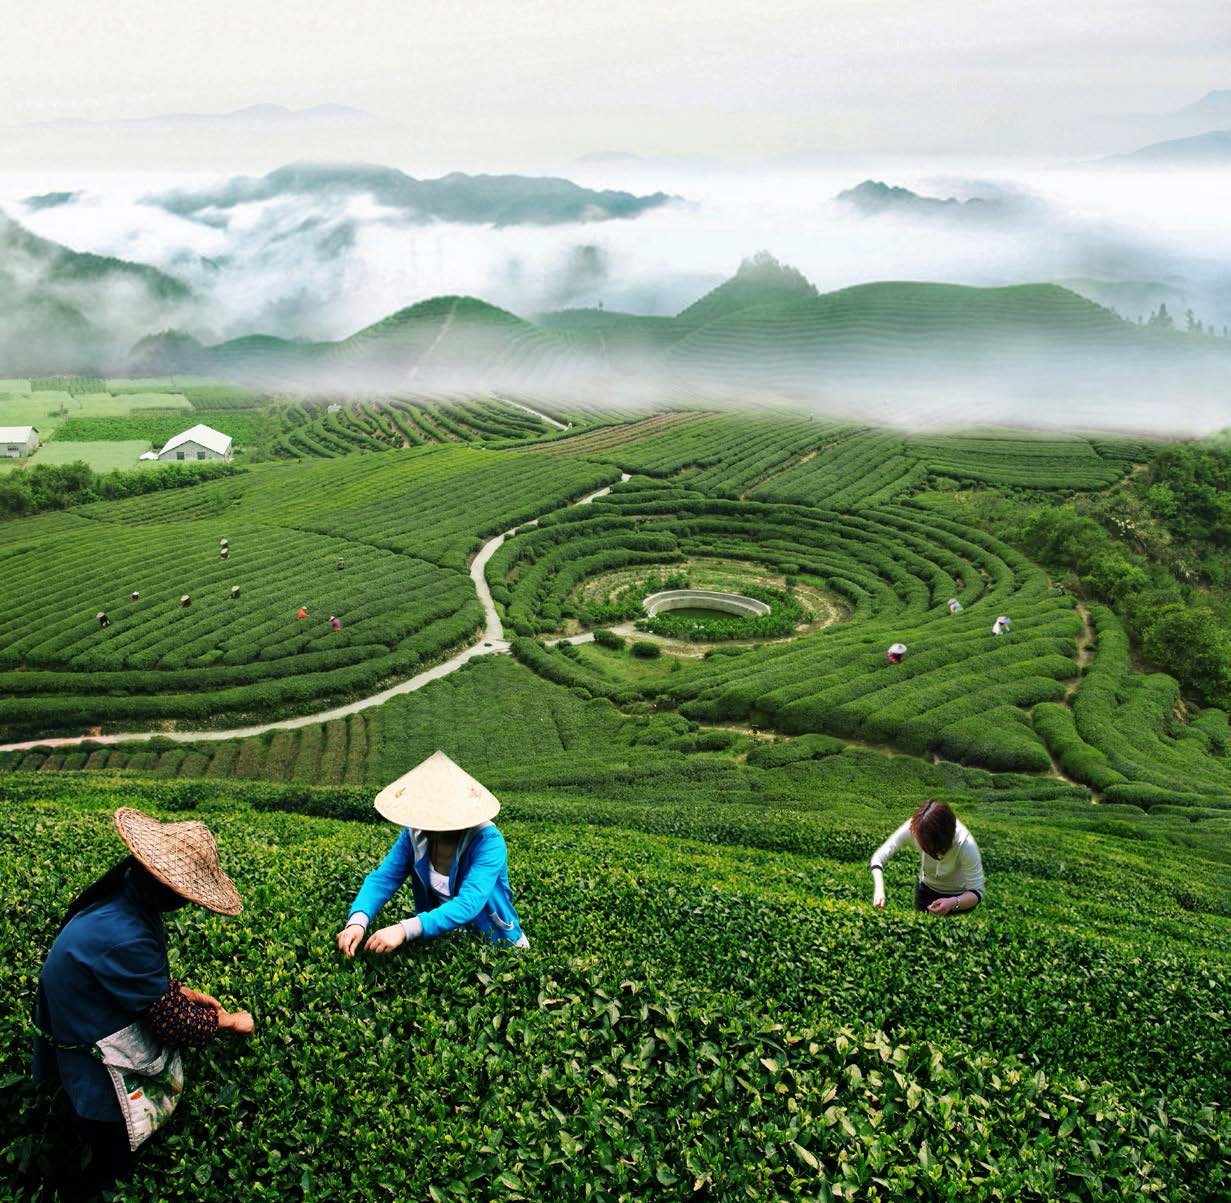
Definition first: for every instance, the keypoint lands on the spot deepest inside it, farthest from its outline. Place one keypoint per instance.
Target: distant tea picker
(454, 856)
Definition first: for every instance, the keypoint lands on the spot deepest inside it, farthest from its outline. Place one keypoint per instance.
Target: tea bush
(715, 1022)
(606, 638)
(1124, 734)
(401, 608)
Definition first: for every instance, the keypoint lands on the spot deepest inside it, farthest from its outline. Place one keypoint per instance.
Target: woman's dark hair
(157, 895)
(934, 826)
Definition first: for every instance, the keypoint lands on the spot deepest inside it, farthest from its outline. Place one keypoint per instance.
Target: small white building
(198, 442)
(16, 442)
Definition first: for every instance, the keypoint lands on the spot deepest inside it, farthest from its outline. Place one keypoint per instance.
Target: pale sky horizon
(559, 78)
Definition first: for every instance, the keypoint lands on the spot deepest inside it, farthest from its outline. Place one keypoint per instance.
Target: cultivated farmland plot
(709, 1007)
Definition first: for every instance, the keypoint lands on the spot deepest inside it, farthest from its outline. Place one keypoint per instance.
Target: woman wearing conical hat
(107, 984)
(453, 854)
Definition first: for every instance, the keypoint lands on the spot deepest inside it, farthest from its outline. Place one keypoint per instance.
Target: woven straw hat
(437, 796)
(182, 856)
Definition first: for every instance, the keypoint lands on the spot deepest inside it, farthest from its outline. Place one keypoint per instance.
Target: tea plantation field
(695, 1018)
(403, 525)
(709, 1008)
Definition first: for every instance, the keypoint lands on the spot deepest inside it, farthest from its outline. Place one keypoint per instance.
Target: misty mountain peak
(760, 280)
(763, 268)
(873, 198)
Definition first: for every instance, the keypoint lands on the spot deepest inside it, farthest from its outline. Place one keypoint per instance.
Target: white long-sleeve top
(959, 870)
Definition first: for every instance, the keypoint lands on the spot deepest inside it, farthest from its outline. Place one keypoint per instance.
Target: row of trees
(58, 486)
(1161, 319)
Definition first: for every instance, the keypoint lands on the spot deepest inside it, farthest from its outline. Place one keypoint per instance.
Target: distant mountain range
(1211, 149)
(1212, 111)
(254, 116)
(1176, 138)
(498, 200)
(767, 328)
(874, 198)
(49, 200)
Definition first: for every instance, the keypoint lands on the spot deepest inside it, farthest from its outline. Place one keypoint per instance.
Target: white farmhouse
(198, 442)
(16, 442)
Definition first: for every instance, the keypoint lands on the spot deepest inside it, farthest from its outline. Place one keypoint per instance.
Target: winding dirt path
(445, 327)
(526, 409)
(492, 643)
(1085, 657)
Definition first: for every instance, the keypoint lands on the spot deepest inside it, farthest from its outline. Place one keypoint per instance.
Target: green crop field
(693, 1015)
(63, 402)
(710, 1008)
(101, 455)
(404, 524)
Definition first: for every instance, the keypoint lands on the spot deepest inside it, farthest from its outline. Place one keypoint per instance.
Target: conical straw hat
(182, 856)
(437, 796)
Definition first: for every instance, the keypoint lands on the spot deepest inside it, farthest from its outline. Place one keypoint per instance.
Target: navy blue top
(104, 971)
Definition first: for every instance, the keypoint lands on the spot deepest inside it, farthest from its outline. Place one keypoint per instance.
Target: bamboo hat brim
(437, 795)
(183, 856)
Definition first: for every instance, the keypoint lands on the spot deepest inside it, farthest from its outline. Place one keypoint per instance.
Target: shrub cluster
(43, 487)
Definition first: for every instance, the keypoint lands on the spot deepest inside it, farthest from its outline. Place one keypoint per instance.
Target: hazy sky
(470, 80)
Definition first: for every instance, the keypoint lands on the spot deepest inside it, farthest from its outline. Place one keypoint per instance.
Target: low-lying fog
(321, 267)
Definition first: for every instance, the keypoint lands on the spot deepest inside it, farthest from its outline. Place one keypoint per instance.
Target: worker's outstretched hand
(239, 1022)
(350, 937)
(878, 899)
(387, 939)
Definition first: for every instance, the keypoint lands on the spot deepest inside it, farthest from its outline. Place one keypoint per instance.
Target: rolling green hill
(766, 329)
(912, 333)
(760, 280)
(448, 336)
(457, 343)
(641, 341)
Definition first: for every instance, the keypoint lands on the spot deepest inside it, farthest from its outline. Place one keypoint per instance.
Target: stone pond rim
(704, 599)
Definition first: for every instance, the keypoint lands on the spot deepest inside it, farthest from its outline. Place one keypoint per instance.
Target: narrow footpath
(534, 412)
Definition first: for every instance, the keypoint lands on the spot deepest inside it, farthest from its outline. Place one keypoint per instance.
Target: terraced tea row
(1027, 460)
(1128, 734)
(894, 568)
(839, 465)
(751, 993)
(249, 654)
(434, 503)
(325, 431)
(222, 653)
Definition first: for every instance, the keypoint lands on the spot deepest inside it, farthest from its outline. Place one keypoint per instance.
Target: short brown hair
(934, 825)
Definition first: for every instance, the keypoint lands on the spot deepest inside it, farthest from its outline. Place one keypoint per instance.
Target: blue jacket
(104, 971)
(478, 881)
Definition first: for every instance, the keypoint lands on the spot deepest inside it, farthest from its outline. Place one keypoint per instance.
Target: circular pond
(698, 603)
